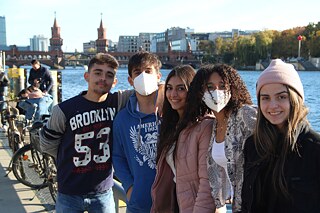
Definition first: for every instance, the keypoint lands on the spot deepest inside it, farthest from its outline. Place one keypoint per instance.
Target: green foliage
(247, 50)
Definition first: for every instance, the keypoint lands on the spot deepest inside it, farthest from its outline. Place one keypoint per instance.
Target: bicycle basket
(35, 139)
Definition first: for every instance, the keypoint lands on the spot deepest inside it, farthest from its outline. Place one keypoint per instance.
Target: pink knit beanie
(280, 72)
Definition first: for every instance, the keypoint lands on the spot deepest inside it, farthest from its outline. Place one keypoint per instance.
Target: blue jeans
(3, 106)
(36, 107)
(93, 203)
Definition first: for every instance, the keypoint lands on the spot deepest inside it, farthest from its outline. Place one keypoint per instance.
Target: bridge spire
(102, 42)
(55, 41)
(101, 24)
(55, 24)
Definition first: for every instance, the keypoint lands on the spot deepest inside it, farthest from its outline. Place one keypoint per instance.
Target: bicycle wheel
(17, 142)
(10, 138)
(52, 176)
(28, 167)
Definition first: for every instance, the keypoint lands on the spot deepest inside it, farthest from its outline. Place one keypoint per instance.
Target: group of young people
(192, 145)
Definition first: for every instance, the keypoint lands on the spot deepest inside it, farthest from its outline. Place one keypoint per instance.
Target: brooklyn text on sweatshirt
(91, 117)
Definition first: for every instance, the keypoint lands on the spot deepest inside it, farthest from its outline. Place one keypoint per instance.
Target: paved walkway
(14, 196)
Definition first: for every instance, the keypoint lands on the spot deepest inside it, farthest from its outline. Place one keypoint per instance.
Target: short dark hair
(143, 58)
(35, 61)
(23, 91)
(103, 58)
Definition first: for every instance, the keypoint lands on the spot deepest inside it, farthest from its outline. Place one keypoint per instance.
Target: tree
(207, 47)
(245, 51)
(314, 44)
(264, 43)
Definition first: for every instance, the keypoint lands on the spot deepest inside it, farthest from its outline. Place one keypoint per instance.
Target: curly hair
(233, 82)
(196, 107)
(170, 117)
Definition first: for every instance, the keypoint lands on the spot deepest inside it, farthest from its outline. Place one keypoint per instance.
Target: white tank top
(218, 154)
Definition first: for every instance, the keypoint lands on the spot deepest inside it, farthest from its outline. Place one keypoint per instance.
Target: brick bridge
(57, 60)
(16, 57)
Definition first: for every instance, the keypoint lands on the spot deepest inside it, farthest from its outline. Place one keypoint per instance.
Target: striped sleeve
(123, 97)
(51, 133)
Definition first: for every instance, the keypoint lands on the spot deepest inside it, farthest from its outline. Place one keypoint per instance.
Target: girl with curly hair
(226, 95)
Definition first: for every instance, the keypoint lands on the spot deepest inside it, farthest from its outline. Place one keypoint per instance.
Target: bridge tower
(102, 42)
(56, 41)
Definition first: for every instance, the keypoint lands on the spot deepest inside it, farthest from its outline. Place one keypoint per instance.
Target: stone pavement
(16, 197)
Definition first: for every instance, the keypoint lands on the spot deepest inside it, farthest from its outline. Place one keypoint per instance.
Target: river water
(73, 82)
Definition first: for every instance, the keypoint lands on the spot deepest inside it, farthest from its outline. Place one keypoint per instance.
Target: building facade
(39, 43)
(144, 41)
(89, 47)
(128, 44)
(3, 33)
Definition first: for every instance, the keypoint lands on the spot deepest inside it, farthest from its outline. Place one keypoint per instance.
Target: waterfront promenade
(14, 196)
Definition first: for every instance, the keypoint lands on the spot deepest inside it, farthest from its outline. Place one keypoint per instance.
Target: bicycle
(33, 168)
(14, 132)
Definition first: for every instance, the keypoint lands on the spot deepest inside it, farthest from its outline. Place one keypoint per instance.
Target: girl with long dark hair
(181, 183)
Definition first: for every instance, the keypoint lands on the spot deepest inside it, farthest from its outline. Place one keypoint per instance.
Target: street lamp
(299, 39)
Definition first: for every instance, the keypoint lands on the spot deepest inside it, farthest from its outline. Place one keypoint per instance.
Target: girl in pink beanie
(282, 158)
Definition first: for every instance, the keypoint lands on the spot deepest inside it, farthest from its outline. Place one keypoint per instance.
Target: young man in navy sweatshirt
(79, 135)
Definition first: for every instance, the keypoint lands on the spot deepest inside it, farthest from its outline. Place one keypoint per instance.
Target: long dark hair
(170, 116)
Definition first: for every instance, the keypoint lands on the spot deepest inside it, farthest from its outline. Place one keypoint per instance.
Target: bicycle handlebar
(14, 100)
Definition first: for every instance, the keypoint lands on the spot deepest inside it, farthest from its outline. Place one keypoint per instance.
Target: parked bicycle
(14, 132)
(32, 167)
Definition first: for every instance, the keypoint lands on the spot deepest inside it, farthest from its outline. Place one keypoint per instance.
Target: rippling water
(73, 82)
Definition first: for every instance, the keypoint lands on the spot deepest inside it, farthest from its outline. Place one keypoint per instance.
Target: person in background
(36, 103)
(33, 91)
(181, 182)
(4, 83)
(135, 133)
(40, 77)
(226, 94)
(79, 135)
(282, 158)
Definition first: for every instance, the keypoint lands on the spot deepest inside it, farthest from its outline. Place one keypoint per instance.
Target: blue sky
(79, 19)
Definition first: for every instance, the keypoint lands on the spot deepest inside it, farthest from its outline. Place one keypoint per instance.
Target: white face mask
(217, 99)
(145, 84)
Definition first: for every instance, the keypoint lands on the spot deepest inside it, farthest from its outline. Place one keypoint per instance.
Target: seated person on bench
(36, 103)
